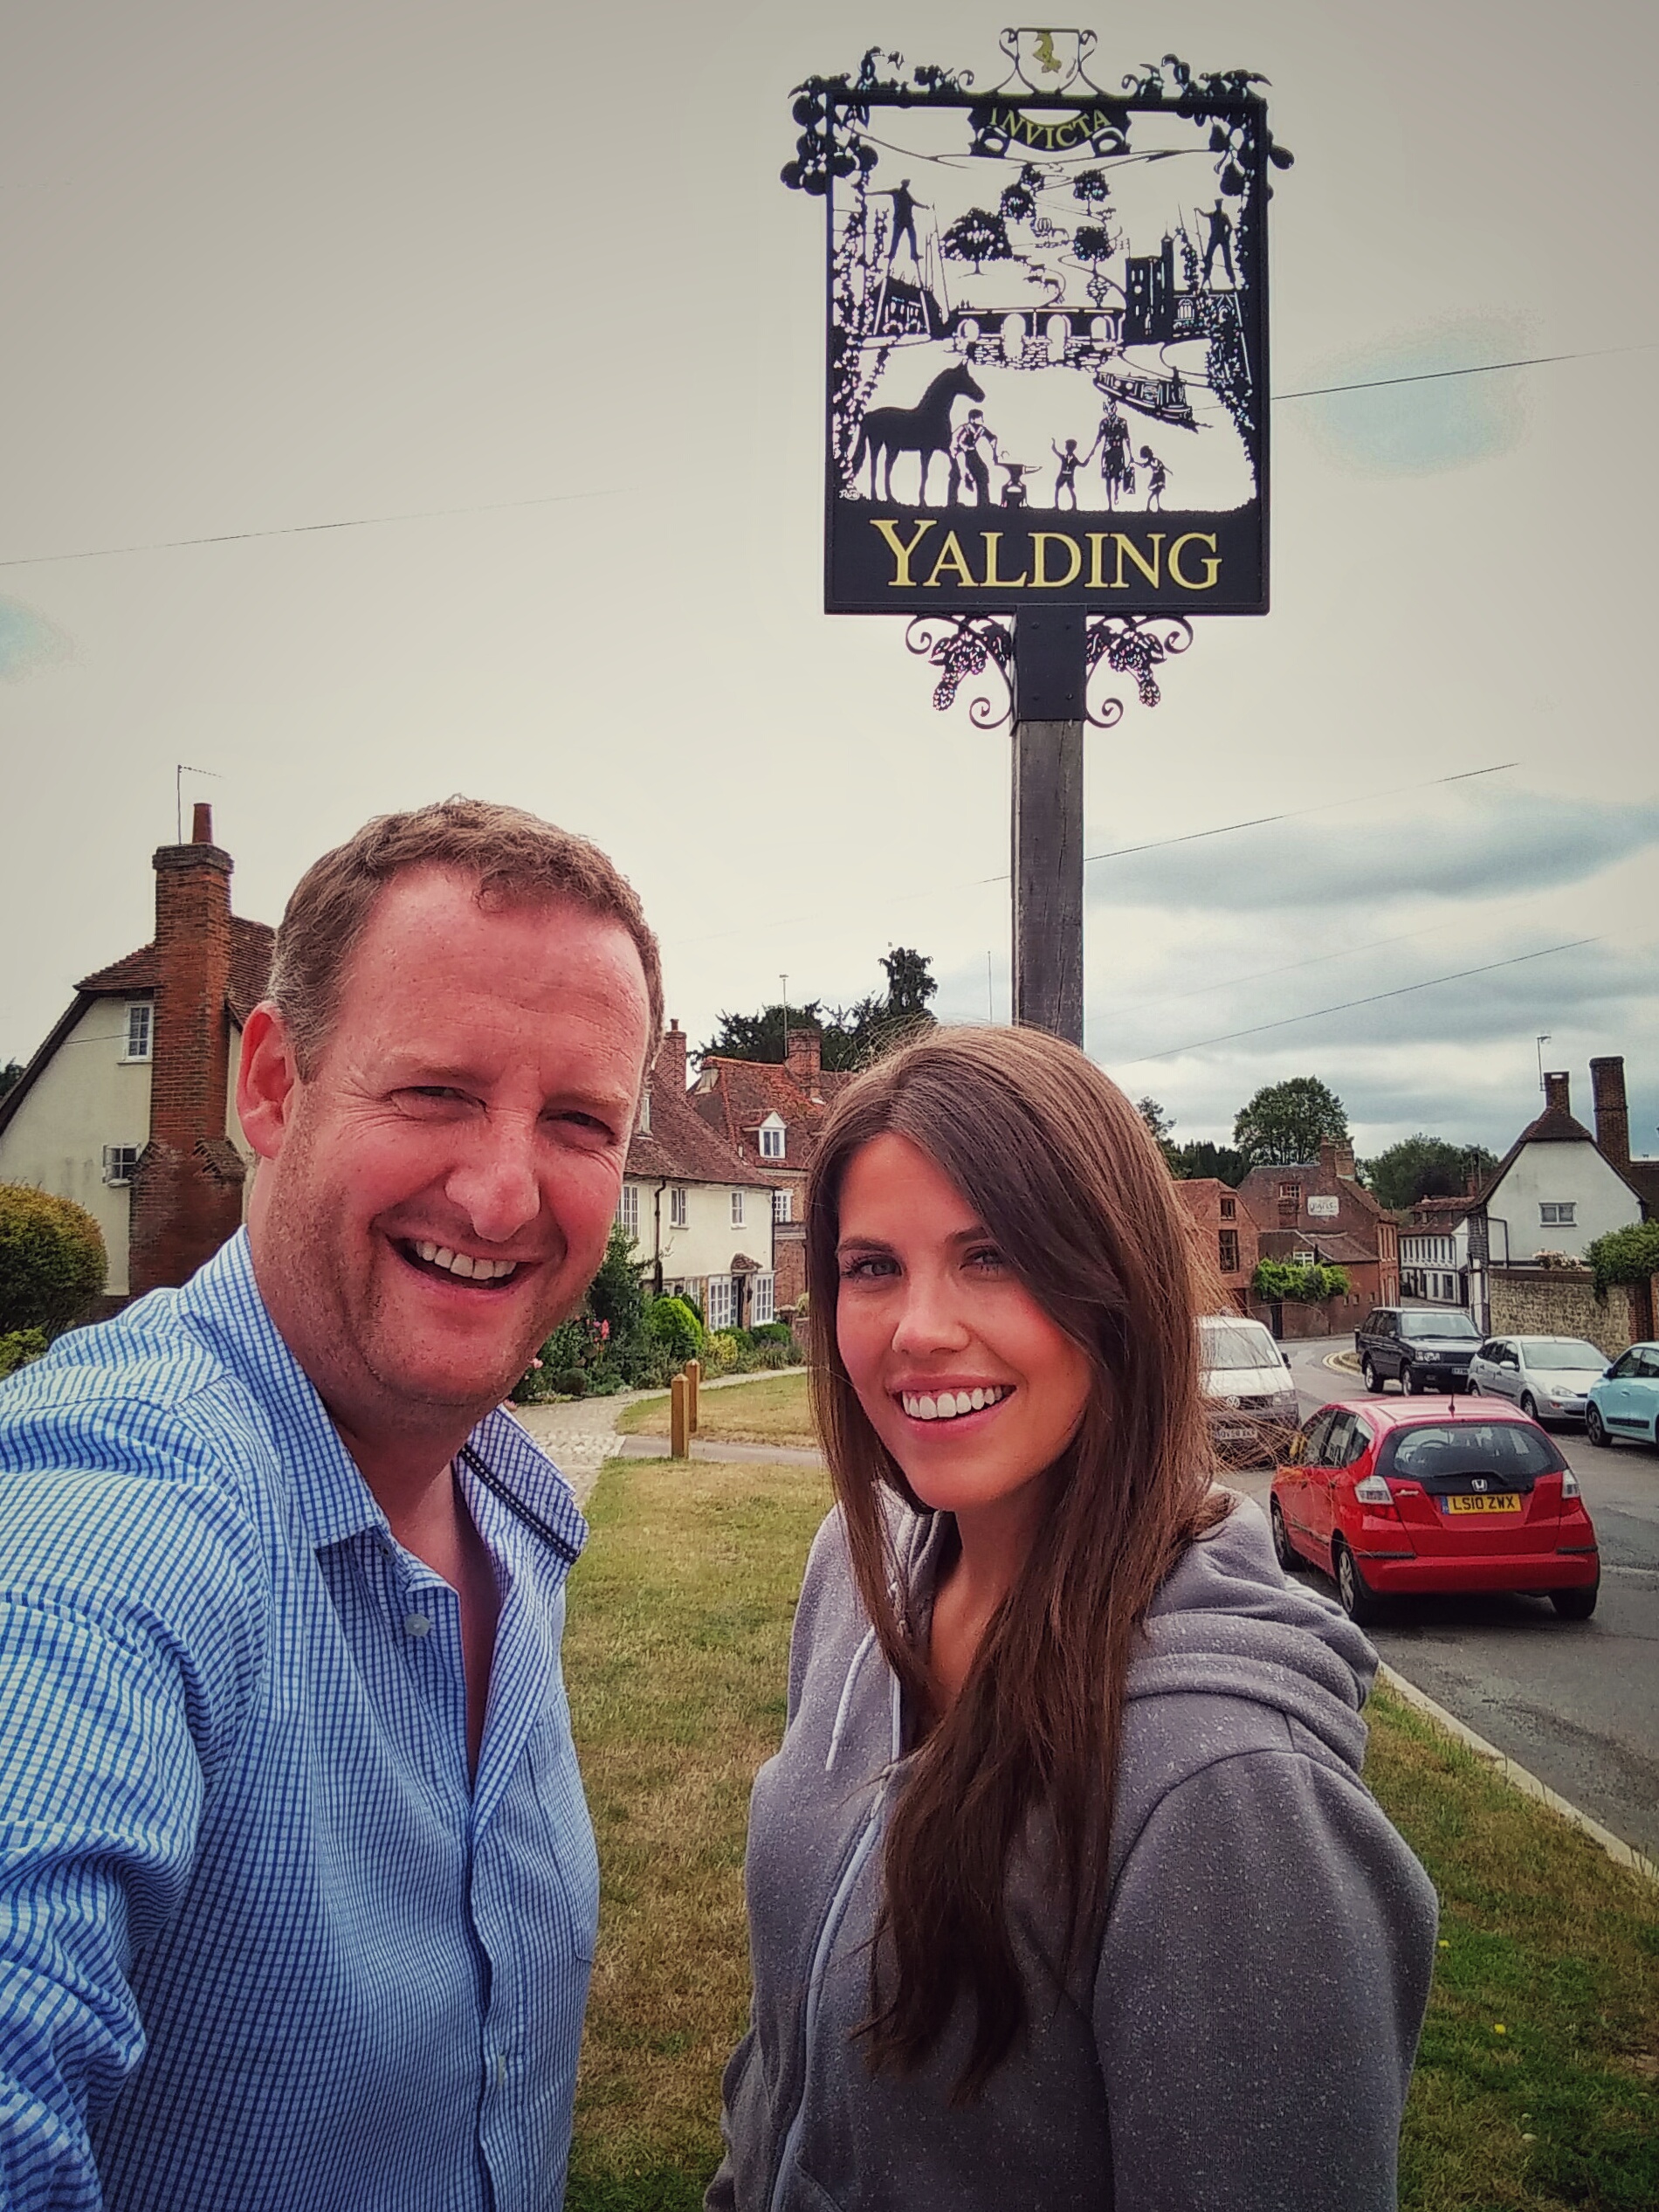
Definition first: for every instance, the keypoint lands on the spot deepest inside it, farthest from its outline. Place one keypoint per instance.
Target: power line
(292, 530)
(1479, 369)
(1403, 990)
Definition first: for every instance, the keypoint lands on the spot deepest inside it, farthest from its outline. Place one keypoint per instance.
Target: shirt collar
(222, 1303)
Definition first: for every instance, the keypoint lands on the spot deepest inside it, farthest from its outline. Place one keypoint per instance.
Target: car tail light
(1569, 1483)
(1373, 1491)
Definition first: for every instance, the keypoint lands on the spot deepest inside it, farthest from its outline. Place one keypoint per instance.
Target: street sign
(1047, 337)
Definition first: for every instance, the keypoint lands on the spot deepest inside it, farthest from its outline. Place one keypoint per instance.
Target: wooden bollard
(680, 1433)
(694, 1384)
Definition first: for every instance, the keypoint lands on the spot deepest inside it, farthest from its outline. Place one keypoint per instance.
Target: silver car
(1251, 1398)
(1547, 1376)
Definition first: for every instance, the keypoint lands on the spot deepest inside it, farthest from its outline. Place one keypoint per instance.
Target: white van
(1252, 1401)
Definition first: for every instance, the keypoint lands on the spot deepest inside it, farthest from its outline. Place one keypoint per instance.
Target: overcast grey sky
(268, 267)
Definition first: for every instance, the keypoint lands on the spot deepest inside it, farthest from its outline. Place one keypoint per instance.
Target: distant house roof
(736, 1097)
(680, 1146)
(1642, 1175)
(1440, 1213)
(252, 944)
(1554, 1126)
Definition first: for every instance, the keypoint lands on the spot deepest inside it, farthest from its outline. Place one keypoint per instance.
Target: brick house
(771, 1112)
(1319, 1210)
(1226, 1236)
(701, 1218)
(129, 1106)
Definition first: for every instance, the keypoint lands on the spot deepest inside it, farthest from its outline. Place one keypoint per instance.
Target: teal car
(1626, 1401)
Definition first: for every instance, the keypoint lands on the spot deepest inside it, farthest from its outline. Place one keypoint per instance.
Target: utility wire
(555, 498)
(293, 530)
(1403, 990)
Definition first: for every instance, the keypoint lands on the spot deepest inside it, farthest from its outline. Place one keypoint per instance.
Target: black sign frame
(976, 559)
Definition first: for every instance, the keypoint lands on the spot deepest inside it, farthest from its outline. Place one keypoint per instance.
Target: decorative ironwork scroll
(966, 647)
(1047, 348)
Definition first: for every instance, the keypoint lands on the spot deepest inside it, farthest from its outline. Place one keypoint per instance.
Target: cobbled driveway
(580, 1435)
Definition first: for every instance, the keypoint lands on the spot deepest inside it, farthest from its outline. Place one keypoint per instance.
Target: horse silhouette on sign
(923, 430)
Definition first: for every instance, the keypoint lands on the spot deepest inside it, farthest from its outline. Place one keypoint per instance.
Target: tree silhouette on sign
(1091, 190)
(1094, 244)
(978, 236)
(1018, 205)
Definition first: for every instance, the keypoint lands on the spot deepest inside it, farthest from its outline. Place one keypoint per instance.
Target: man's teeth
(481, 1270)
(949, 1405)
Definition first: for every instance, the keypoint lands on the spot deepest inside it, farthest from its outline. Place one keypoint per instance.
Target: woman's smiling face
(970, 1385)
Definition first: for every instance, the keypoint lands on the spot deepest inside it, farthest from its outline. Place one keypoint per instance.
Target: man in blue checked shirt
(297, 1892)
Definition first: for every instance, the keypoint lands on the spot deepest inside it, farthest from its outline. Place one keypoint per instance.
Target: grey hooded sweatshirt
(1245, 2037)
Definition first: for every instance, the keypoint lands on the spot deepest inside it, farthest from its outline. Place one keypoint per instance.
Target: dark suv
(1420, 1347)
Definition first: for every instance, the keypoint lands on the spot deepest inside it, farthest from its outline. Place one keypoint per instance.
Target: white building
(1555, 1191)
(701, 1218)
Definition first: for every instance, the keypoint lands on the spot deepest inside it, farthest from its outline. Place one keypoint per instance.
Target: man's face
(437, 1196)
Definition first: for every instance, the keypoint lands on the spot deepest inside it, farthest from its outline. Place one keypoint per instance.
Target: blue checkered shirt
(262, 1942)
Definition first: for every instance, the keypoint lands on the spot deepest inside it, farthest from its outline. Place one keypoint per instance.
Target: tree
(1017, 205)
(1288, 1121)
(849, 1036)
(978, 236)
(1425, 1166)
(1159, 1127)
(10, 1074)
(1095, 244)
(1199, 1159)
(1091, 190)
(52, 1260)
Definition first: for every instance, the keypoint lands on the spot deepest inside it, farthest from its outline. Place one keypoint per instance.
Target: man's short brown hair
(515, 859)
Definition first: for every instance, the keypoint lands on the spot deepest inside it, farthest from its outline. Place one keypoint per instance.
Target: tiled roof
(1556, 1126)
(746, 1092)
(251, 947)
(680, 1146)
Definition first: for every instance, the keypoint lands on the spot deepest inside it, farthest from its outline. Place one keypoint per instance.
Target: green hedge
(1625, 1256)
(1307, 1285)
(52, 1263)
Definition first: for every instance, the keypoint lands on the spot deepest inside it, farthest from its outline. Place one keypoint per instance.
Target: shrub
(1625, 1256)
(571, 1382)
(1308, 1285)
(671, 1323)
(771, 1332)
(720, 1354)
(18, 1346)
(772, 1355)
(52, 1260)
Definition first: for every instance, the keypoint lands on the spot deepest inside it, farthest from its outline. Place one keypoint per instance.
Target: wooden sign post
(1048, 819)
(680, 1433)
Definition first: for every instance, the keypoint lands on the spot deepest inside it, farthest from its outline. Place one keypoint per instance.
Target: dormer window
(140, 1030)
(643, 1122)
(772, 1137)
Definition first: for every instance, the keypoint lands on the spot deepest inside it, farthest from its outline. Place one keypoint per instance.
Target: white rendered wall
(709, 1242)
(86, 1097)
(1575, 1174)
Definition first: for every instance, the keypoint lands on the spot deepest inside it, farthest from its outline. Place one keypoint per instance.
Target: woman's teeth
(949, 1405)
(481, 1270)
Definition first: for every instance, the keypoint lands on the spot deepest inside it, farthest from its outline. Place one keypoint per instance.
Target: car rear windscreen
(1507, 1449)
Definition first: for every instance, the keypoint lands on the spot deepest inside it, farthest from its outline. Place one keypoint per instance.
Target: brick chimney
(670, 1069)
(1337, 1159)
(1612, 1113)
(1557, 1092)
(187, 1188)
(805, 1055)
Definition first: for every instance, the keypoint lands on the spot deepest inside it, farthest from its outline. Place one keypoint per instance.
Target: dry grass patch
(1549, 1941)
(676, 1652)
(773, 1410)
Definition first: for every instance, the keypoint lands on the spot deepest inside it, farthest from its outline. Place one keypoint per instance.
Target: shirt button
(417, 1625)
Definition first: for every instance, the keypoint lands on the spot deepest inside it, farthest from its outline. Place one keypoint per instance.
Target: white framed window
(1558, 1213)
(628, 1208)
(772, 1138)
(719, 1308)
(737, 1210)
(140, 1029)
(762, 1301)
(677, 1210)
(780, 1205)
(120, 1160)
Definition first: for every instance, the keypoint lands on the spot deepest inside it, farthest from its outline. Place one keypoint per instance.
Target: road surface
(1576, 1702)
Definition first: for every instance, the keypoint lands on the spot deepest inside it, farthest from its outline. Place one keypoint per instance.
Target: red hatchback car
(1391, 1498)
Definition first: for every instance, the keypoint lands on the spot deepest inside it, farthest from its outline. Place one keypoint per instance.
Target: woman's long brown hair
(1062, 1172)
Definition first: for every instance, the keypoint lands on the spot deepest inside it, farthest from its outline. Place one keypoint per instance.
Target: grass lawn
(675, 1655)
(773, 1410)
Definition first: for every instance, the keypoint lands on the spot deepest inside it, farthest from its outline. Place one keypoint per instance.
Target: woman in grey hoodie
(1064, 1888)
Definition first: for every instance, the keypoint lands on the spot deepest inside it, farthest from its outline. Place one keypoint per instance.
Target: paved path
(580, 1434)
